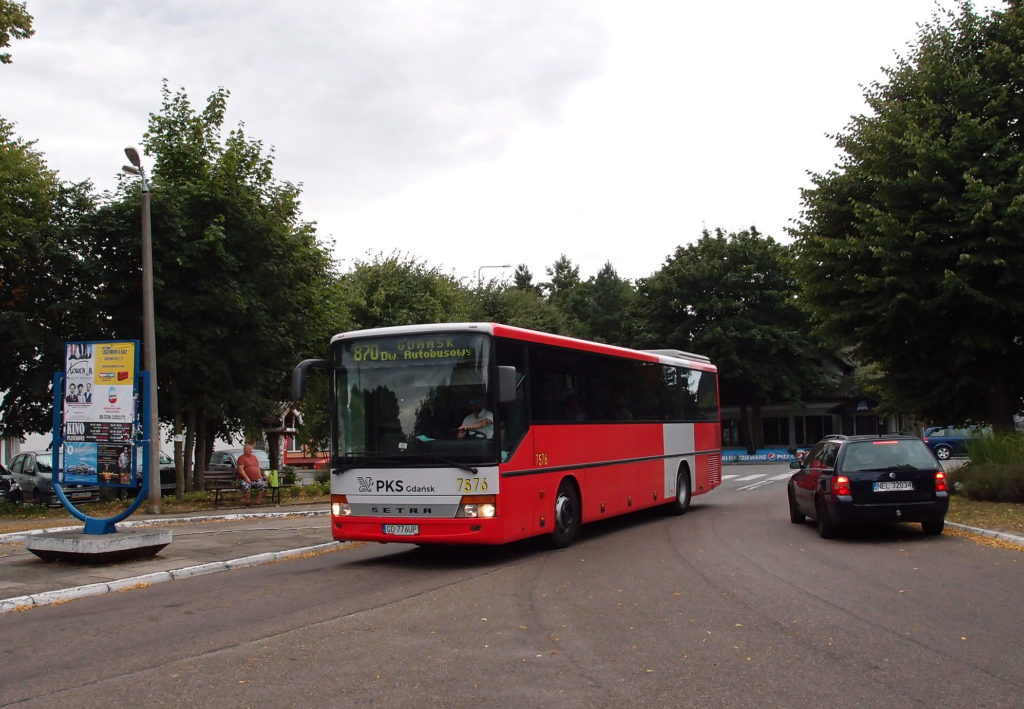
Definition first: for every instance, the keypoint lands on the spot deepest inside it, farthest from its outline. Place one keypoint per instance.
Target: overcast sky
(474, 133)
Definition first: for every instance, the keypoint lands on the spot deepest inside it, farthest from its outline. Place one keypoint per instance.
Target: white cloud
(480, 133)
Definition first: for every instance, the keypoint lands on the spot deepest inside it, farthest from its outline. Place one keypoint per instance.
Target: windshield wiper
(403, 460)
(454, 463)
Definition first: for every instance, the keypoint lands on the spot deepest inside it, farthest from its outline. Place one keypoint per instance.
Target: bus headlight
(477, 506)
(340, 506)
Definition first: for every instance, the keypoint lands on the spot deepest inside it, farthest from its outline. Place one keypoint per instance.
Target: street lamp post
(479, 272)
(148, 332)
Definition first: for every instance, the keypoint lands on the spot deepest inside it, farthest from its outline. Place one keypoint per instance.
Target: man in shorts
(250, 476)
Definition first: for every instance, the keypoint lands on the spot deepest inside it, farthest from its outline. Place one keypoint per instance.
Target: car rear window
(885, 455)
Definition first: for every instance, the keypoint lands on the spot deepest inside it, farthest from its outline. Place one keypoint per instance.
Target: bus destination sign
(412, 348)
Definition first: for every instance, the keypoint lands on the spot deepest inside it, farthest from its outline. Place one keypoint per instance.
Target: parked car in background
(33, 471)
(228, 459)
(885, 478)
(10, 490)
(167, 472)
(948, 441)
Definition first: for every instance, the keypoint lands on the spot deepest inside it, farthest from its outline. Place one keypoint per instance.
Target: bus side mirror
(299, 375)
(506, 384)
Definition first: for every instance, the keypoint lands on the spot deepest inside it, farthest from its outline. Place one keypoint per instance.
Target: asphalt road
(730, 605)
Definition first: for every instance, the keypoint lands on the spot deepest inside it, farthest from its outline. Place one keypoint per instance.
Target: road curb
(16, 537)
(45, 598)
(989, 534)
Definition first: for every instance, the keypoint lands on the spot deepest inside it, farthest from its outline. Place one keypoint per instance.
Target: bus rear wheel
(567, 515)
(681, 503)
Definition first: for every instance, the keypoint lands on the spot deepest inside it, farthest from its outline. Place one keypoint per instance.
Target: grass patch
(997, 516)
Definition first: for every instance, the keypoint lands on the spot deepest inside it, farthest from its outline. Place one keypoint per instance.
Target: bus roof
(667, 356)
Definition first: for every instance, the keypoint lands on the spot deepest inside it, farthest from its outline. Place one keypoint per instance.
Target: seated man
(479, 419)
(250, 475)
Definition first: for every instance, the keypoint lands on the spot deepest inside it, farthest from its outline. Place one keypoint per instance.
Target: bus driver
(479, 419)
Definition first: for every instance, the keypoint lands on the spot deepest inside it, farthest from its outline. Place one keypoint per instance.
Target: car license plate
(79, 495)
(402, 530)
(894, 485)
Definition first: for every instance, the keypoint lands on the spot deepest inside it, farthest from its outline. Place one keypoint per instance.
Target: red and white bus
(567, 432)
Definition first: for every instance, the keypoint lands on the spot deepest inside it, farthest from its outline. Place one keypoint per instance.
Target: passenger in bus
(479, 420)
(574, 409)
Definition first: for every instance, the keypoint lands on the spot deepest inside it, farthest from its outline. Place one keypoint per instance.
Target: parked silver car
(228, 459)
(33, 469)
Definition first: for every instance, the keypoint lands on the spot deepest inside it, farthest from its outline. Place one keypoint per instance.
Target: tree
(15, 22)
(520, 307)
(523, 279)
(400, 290)
(48, 277)
(732, 297)
(607, 301)
(909, 251)
(239, 277)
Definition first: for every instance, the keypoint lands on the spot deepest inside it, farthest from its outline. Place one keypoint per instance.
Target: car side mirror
(795, 465)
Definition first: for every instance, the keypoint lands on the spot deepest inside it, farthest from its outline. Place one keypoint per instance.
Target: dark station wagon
(851, 479)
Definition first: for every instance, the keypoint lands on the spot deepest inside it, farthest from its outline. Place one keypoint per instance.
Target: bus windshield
(405, 400)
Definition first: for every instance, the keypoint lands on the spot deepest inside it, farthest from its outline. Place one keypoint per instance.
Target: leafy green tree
(605, 309)
(400, 290)
(909, 251)
(520, 307)
(523, 279)
(733, 298)
(48, 278)
(564, 277)
(239, 278)
(16, 23)
(567, 292)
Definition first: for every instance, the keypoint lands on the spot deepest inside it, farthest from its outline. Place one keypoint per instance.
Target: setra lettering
(408, 511)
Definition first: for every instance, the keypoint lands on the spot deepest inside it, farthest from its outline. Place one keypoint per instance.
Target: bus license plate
(402, 530)
(890, 486)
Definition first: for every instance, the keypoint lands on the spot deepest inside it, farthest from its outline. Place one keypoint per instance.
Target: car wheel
(681, 503)
(827, 529)
(943, 452)
(795, 515)
(567, 515)
(933, 527)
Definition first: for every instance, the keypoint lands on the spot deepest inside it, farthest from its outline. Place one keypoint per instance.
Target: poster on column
(100, 382)
(100, 413)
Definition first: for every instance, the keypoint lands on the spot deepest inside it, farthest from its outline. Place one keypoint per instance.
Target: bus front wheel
(567, 515)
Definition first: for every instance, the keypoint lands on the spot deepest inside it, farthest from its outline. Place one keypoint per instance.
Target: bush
(287, 473)
(322, 476)
(317, 489)
(995, 472)
(991, 482)
(1002, 448)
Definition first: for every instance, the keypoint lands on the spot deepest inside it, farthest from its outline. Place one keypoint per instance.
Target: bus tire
(681, 502)
(567, 517)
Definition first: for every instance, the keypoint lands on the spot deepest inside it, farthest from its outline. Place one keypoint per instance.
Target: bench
(222, 482)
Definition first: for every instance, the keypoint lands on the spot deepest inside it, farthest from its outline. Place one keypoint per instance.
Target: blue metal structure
(99, 525)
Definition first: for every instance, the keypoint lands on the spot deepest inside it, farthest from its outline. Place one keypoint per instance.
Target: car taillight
(841, 485)
(940, 482)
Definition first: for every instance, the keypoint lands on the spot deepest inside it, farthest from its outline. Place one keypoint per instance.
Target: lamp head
(133, 155)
